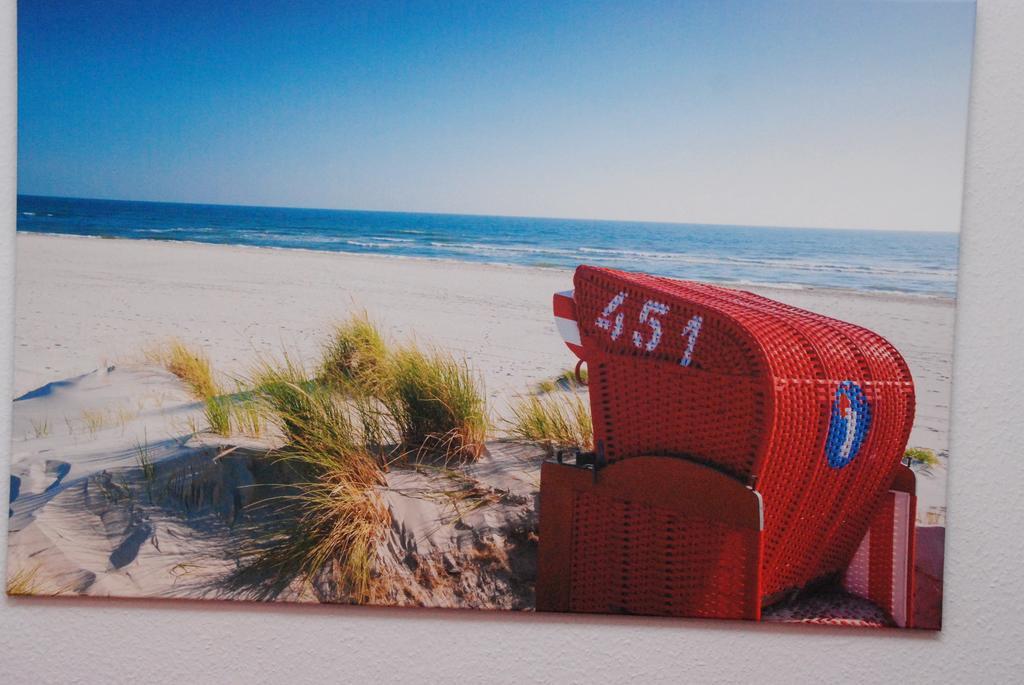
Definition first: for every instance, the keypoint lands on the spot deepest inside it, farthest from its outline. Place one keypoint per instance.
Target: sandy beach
(83, 303)
(87, 304)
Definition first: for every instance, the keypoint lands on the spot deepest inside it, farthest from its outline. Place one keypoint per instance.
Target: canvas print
(618, 308)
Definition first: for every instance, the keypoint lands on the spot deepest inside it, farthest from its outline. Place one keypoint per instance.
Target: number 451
(649, 314)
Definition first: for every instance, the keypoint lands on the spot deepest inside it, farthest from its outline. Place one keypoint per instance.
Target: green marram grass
(921, 455)
(217, 411)
(246, 417)
(354, 355)
(436, 402)
(555, 420)
(362, 406)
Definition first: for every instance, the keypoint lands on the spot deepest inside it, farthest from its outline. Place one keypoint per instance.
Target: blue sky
(844, 114)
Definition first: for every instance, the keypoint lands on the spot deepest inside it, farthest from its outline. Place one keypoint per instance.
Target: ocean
(922, 263)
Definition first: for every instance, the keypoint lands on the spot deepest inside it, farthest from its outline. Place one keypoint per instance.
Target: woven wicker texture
(881, 563)
(812, 412)
(634, 558)
(651, 534)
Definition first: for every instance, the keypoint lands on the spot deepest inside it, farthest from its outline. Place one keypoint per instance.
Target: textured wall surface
(93, 641)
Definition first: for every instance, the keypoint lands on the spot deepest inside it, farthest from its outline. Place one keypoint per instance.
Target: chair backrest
(812, 412)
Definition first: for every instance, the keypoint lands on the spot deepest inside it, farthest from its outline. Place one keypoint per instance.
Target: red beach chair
(744, 449)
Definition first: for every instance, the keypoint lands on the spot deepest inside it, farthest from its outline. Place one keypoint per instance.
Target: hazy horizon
(829, 115)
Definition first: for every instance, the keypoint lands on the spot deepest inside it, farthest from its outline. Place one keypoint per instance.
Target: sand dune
(137, 505)
(86, 518)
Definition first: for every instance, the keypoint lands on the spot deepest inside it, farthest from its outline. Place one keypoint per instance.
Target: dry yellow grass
(94, 420)
(191, 366)
(342, 520)
(338, 516)
(225, 414)
(25, 582)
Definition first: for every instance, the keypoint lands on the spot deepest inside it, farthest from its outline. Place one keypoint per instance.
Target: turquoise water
(905, 262)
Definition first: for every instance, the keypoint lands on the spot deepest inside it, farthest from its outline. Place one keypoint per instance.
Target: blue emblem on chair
(848, 426)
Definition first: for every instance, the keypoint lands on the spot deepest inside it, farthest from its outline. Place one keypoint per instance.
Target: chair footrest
(649, 535)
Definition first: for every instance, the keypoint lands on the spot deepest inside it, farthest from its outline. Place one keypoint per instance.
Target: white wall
(91, 641)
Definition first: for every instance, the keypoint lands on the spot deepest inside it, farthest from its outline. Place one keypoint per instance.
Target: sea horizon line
(645, 222)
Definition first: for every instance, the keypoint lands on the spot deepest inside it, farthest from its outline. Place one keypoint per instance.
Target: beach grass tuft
(315, 420)
(287, 396)
(921, 455)
(363, 406)
(566, 380)
(94, 420)
(436, 402)
(336, 514)
(146, 465)
(124, 416)
(217, 409)
(337, 519)
(24, 582)
(322, 422)
(555, 420)
(355, 354)
(547, 385)
(225, 413)
(343, 422)
(420, 402)
(246, 416)
(40, 428)
(191, 366)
